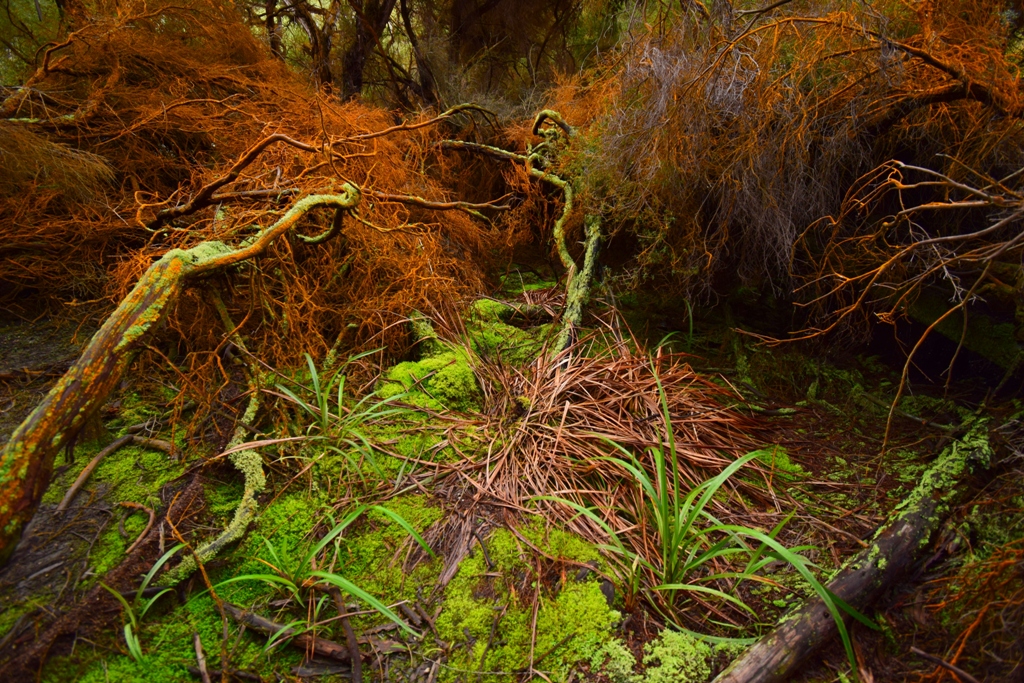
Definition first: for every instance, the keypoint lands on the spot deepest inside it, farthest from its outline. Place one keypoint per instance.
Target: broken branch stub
(26, 461)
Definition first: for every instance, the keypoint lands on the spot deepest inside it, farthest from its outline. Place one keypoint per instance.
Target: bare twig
(957, 671)
(204, 197)
(201, 658)
(149, 524)
(83, 477)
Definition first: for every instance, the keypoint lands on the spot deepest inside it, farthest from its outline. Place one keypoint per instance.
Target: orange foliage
(167, 96)
(714, 141)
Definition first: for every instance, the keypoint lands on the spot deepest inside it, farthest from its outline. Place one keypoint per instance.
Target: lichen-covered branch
(26, 461)
(892, 552)
(577, 291)
(250, 463)
(247, 461)
(537, 160)
(555, 118)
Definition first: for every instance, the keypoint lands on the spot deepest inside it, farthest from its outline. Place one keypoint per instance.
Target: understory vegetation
(449, 342)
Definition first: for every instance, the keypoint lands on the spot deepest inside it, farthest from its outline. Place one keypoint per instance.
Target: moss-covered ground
(527, 599)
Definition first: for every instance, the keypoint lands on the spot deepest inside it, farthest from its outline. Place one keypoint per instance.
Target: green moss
(375, 554)
(518, 282)
(442, 381)
(423, 334)
(778, 460)
(615, 661)
(491, 335)
(676, 657)
(168, 651)
(133, 473)
(573, 623)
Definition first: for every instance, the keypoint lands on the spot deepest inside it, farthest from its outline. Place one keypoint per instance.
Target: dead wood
(26, 462)
(890, 556)
(319, 646)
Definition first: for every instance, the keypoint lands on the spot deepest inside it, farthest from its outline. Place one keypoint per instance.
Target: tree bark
(427, 86)
(890, 556)
(371, 18)
(26, 461)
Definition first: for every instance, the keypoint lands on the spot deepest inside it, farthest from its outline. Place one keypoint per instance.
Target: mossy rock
(491, 334)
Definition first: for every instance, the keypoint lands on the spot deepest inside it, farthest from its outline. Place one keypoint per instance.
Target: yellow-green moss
(480, 600)
(777, 459)
(675, 657)
(439, 382)
(491, 335)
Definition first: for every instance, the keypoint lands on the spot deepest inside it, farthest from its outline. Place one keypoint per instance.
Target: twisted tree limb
(537, 160)
(26, 461)
(577, 291)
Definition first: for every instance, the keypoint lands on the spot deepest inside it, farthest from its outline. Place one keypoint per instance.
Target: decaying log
(890, 555)
(26, 462)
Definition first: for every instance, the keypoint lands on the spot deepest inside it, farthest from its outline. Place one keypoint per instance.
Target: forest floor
(507, 591)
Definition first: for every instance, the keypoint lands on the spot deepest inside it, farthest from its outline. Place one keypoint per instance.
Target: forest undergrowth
(478, 549)
(606, 380)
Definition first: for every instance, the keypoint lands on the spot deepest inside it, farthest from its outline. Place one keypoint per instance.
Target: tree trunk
(427, 86)
(893, 552)
(371, 18)
(271, 22)
(26, 461)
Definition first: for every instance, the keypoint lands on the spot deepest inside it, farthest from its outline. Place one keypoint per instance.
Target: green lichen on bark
(941, 481)
(578, 289)
(26, 461)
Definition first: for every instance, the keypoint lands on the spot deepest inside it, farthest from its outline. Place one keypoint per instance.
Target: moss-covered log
(894, 550)
(27, 459)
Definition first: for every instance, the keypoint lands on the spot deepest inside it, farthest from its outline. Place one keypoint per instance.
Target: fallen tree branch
(469, 106)
(26, 461)
(471, 208)
(891, 554)
(537, 160)
(200, 658)
(577, 290)
(314, 644)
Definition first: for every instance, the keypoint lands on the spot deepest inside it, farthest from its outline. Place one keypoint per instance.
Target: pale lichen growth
(250, 464)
